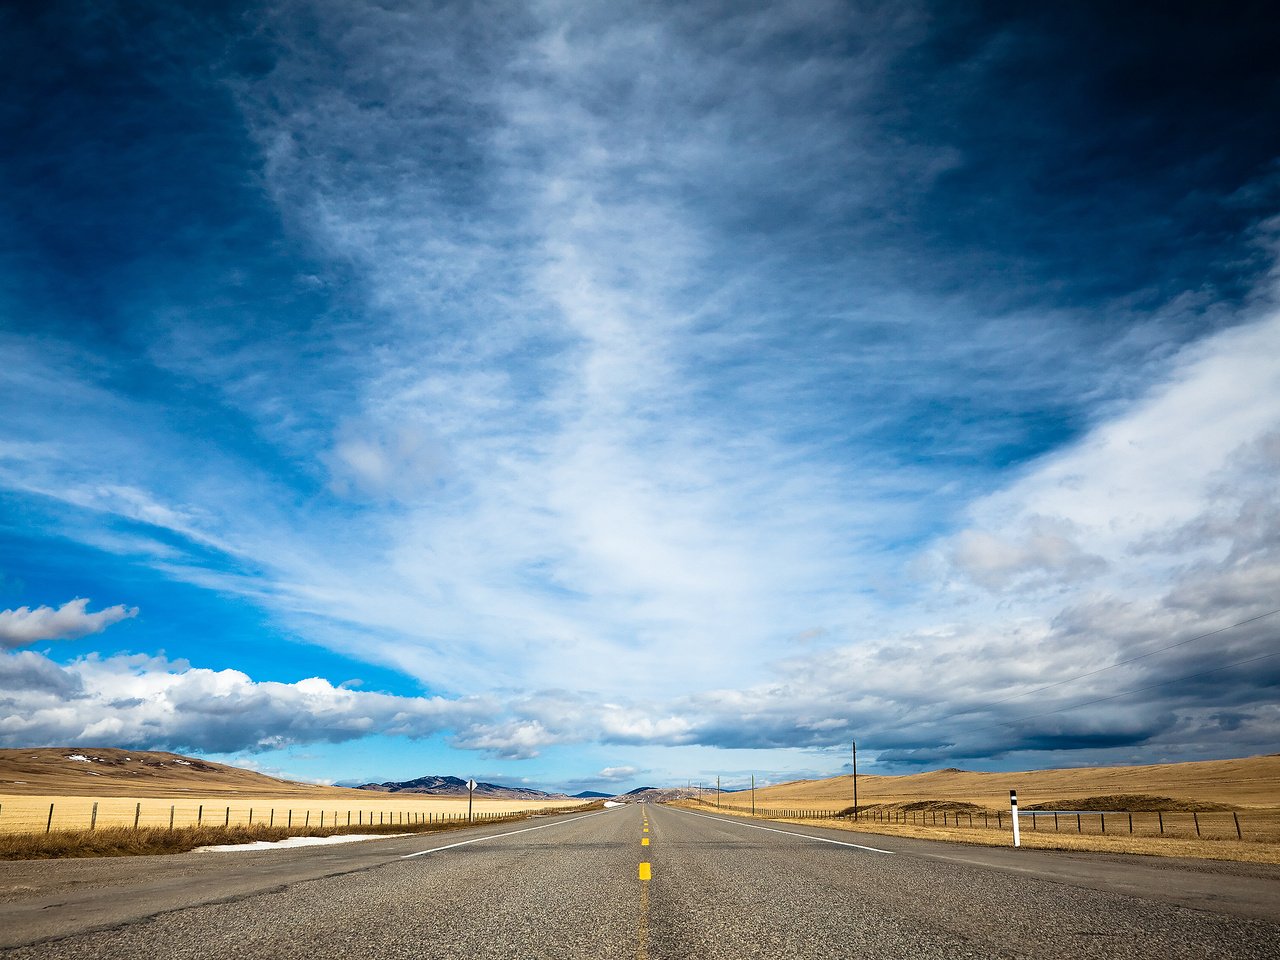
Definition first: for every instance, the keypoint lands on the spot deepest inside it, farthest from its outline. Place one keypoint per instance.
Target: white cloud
(617, 774)
(68, 622)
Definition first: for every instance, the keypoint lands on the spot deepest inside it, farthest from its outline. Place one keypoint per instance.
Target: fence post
(137, 814)
(1078, 823)
(1160, 816)
(1013, 817)
(251, 816)
(1196, 817)
(1102, 818)
(93, 817)
(1131, 823)
(171, 806)
(1236, 818)
(271, 818)
(289, 824)
(49, 826)
(200, 816)
(227, 821)
(306, 822)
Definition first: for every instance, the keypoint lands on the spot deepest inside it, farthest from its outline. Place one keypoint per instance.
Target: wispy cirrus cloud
(577, 359)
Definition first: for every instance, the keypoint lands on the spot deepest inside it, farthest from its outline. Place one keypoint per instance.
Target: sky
(590, 396)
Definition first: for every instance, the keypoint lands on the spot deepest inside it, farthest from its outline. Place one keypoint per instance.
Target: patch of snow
(185, 763)
(295, 842)
(613, 803)
(80, 757)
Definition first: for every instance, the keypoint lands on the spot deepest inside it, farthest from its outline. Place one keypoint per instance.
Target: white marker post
(1013, 807)
(471, 789)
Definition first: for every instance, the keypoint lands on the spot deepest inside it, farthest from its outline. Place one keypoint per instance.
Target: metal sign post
(471, 789)
(1013, 806)
(855, 779)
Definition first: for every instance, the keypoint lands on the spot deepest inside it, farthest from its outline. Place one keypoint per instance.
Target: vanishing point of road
(574, 886)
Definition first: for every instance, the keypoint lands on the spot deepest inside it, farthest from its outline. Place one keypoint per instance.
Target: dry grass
(1241, 784)
(30, 814)
(1169, 846)
(1170, 804)
(126, 842)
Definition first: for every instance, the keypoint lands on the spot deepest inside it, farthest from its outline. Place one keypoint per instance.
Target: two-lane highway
(575, 886)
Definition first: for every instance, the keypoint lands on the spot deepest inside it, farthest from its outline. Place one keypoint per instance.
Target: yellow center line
(645, 871)
(644, 842)
(642, 925)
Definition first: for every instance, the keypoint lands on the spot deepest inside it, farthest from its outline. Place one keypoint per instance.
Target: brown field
(151, 787)
(1218, 809)
(1246, 783)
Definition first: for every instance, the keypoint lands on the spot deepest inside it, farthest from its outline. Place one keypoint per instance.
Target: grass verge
(1241, 851)
(126, 842)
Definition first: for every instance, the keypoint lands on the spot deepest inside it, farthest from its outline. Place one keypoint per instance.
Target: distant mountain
(455, 787)
(592, 795)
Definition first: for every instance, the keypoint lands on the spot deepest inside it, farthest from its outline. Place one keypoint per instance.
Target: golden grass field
(1201, 803)
(152, 787)
(1246, 783)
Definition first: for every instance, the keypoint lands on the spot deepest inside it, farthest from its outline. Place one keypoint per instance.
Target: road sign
(471, 784)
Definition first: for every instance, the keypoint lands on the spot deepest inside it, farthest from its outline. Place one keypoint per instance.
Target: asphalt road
(570, 887)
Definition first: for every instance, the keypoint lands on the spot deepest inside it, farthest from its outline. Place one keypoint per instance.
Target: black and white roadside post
(471, 789)
(855, 779)
(1013, 808)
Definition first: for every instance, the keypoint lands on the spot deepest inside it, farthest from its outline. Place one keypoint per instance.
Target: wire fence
(1262, 825)
(83, 813)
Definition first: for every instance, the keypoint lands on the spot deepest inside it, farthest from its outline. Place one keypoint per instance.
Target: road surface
(571, 887)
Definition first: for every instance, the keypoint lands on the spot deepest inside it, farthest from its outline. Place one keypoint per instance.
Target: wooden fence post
(137, 814)
(93, 817)
(227, 821)
(49, 826)
(1196, 817)
(200, 816)
(1236, 818)
(171, 806)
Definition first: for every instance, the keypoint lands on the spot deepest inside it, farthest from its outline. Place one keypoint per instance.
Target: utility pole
(753, 794)
(855, 779)
(717, 790)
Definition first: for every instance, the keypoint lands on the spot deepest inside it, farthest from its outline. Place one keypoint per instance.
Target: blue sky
(586, 398)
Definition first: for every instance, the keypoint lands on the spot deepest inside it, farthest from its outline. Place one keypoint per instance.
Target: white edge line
(499, 836)
(804, 836)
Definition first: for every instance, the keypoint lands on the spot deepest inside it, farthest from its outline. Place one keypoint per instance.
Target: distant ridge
(592, 795)
(456, 787)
